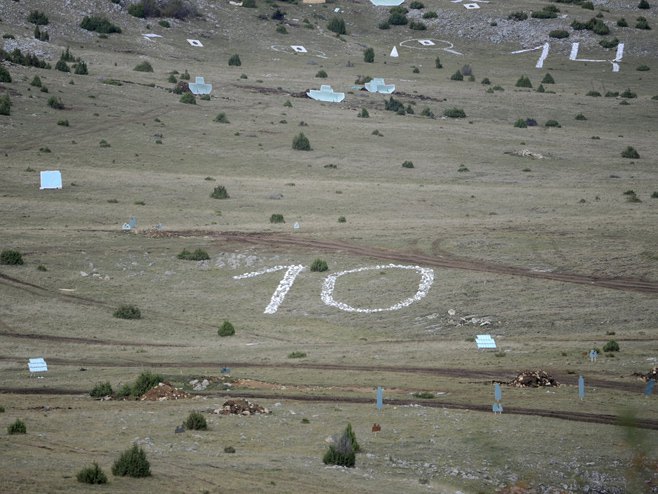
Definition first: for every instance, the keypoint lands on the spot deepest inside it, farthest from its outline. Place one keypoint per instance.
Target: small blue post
(380, 398)
(581, 387)
(498, 394)
(649, 389)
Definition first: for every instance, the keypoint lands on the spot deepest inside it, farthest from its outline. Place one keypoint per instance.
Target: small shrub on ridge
(132, 463)
(92, 475)
(127, 312)
(226, 329)
(18, 427)
(196, 422)
(319, 265)
(11, 257)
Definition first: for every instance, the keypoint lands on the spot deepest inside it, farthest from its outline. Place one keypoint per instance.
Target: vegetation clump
(226, 329)
(38, 18)
(219, 192)
(297, 355)
(11, 257)
(99, 24)
(197, 255)
(321, 74)
(101, 390)
(558, 34)
(92, 475)
(369, 55)
(145, 382)
(611, 346)
(457, 76)
(5, 76)
(407, 164)
(276, 218)
(188, 98)
(19, 58)
(343, 453)
(132, 463)
(552, 123)
(127, 311)
(630, 152)
(196, 422)
(234, 61)
(454, 113)
(17, 427)
(301, 143)
(5, 105)
(337, 25)
(524, 81)
(144, 66)
(319, 265)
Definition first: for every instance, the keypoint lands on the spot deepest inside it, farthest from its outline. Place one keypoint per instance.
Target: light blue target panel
(498, 394)
(326, 93)
(51, 179)
(581, 387)
(37, 364)
(485, 341)
(377, 85)
(648, 390)
(199, 86)
(380, 398)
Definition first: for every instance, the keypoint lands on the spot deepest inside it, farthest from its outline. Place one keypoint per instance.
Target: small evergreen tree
(5, 105)
(5, 76)
(127, 312)
(196, 422)
(301, 143)
(132, 463)
(92, 475)
(319, 265)
(18, 427)
(524, 81)
(36, 81)
(548, 79)
(11, 257)
(62, 66)
(219, 192)
(234, 61)
(337, 25)
(81, 68)
(369, 55)
(437, 63)
(226, 329)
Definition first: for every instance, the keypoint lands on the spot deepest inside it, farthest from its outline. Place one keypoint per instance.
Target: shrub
(397, 19)
(611, 346)
(132, 463)
(342, 219)
(437, 63)
(543, 14)
(5, 76)
(384, 25)
(62, 66)
(630, 152)
(278, 15)
(644, 5)
(417, 26)
(337, 25)
(343, 453)
(221, 118)
(321, 74)
(599, 27)
(188, 98)
(301, 143)
(552, 123)
(524, 81)
(18, 427)
(197, 255)
(457, 76)
(36, 80)
(11, 257)
(281, 29)
(40, 35)
(196, 422)
(558, 34)
(363, 113)
(101, 390)
(454, 113)
(654, 194)
(593, 93)
(28, 59)
(426, 112)
(127, 311)
(628, 94)
(517, 16)
(297, 355)
(104, 144)
(99, 24)
(486, 81)
(369, 55)
(541, 89)
(430, 15)
(642, 23)
(164, 23)
(219, 192)
(643, 68)
(520, 123)
(226, 329)
(81, 68)
(234, 61)
(55, 103)
(580, 116)
(92, 475)
(548, 79)
(186, 75)
(145, 382)
(407, 164)
(319, 265)
(38, 18)
(622, 23)
(137, 10)
(416, 5)
(277, 218)
(144, 66)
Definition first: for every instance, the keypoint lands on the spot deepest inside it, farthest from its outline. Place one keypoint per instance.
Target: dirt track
(452, 262)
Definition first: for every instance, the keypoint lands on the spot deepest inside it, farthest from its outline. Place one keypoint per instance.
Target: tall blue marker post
(498, 395)
(380, 398)
(581, 387)
(649, 388)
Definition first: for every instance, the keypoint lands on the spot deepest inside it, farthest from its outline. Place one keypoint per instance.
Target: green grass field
(529, 229)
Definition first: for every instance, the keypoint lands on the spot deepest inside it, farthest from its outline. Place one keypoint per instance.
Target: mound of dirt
(241, 407)
(164, 391)
(533, 379)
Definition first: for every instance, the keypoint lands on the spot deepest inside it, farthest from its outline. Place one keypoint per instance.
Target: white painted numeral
(284, 286)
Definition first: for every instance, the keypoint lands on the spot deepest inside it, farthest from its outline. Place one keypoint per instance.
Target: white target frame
(329, 284)
(195, 42)
(413, 43)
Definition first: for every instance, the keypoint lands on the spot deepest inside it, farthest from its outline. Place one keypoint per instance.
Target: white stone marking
(284, 285)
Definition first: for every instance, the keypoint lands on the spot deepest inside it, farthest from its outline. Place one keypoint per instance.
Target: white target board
(426, 42)
(299, 49)
(471, 6)
(195, 42)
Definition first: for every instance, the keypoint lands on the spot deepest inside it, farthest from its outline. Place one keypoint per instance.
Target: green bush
(185, 76)
(642, 23)
(486, 81)
(548, 79)
(321, 74)
(611, 346)
(219, 192)
(644, 5)
(416, 5)
(524, 81)
(196, 422)
(221, 118)
(188, 98)
(55, 103)
(643, 68)
(41, 35)
(234, 61)
(297, 355)
(587, 5)
(81, 68)
(99, 24)
(558, 34)
(249, 4)
(369, 55)
(384, 25)
(622, 23)
(276, 218)
(343, 453)
(599, 27)
(132, 463)
(628, 94)
(424, 395)
(457, 76)
(407, 164)
(127, 311)
(101, 390)
(630, 152)
(541, 89)
(36, 80)
(430, 15)
(301, 143)
(517, 16)
(397, 19)
(38, 18)
(609, 43)
(552, 123)
(454, 113)
(145, 382)
(281, 29)
(92, 475)
(11, 257)
(363, 113)
(28, 59)
(580, 116)
(164, 23)
(437, 63)
(337, 25)
(5, 105)
(144, 66)
(197, 255)
(342, 219)
(543, 14)
(593, 93)
(137, 10)
(226, 329)
(654, 194)
(18, 427)
(426, 112)
(520, 123)
(319, 265)
(62, 66)
(417, 26)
